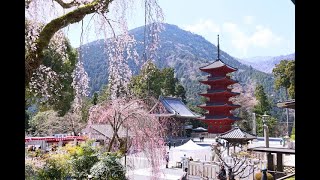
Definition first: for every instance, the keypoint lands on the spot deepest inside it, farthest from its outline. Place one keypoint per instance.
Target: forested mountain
(267, 63)
(185, 52)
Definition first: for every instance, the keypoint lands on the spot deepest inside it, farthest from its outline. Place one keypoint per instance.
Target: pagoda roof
(218, 104)
(176, 108)
(216, 64)
(208, 117)
(236, 134)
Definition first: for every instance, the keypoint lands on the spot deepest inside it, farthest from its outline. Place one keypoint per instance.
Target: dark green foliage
(104, 94)
(108, 168)
(263, 102)
(83, 161)
(26, 121)
(271, 123)
(246, 122)
(95, 98)
(87, 103)
(284, 73)
(62, 101)
(52, 170)
(261, 108)
(181, 92)
(155, 82)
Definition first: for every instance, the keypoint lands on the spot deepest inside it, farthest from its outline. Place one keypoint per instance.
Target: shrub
(258, 176)
(108, 168)
(82, 159)
(30, 172)
(56, 167)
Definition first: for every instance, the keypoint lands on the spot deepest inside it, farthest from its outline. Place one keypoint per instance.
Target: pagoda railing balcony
(217, 77)
(221, 117)
(219, 91)
(219, 104)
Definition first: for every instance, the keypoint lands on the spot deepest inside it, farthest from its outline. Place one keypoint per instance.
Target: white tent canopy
(190, 149)
(190, 146)
(200, 129)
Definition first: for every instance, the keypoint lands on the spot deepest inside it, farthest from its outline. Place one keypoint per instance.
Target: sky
(247, 28)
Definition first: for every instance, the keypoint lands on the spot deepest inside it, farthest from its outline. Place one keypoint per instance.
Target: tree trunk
(34, 59)
(111, 143)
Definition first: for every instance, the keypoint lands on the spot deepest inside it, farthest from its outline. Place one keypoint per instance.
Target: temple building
(218, 106)
(174, 113)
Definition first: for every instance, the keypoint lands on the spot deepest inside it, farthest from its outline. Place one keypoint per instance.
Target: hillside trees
(155, 82)
(263, 106)
(284, 73)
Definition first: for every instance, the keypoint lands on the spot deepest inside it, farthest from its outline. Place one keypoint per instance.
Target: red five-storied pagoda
(218, 118)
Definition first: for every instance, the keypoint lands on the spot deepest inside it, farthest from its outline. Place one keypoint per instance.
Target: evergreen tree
(180, 92)
(95, 98)
(263, 102)
(284, 73)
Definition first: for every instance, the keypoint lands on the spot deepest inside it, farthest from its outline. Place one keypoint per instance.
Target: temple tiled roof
(107, 131)
(217, 64)
(287, 104)
(237, 134)
(177, 107)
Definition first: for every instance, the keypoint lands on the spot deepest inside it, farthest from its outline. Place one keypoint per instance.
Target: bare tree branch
(67, 5)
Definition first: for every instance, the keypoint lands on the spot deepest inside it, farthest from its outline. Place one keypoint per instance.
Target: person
(167, 160)
(169, 145)
(185, 174)
(185, 161)
(264, 174)
(174, 144)
(222, 175)
(230, 174)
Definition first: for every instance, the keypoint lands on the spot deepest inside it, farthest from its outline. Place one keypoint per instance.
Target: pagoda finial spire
(218, 48)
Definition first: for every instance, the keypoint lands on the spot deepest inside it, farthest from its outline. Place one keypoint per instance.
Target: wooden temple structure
(291, 104)
(236, 137)
(173, 113)
(218, 106)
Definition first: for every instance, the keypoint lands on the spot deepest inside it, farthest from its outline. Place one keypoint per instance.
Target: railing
(203, 169)
(285, 177)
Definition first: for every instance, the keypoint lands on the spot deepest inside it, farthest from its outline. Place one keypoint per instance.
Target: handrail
(285, 177)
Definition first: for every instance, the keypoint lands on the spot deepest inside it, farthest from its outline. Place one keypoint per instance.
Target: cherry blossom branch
(34, 59)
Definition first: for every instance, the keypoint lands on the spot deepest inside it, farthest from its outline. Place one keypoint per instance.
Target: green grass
(291, 178)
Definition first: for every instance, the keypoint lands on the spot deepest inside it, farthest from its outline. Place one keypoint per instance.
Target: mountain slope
(266, 64)
(181, 50)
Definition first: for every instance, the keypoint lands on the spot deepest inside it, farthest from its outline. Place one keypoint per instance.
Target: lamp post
(265, 129)
(254, 126)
